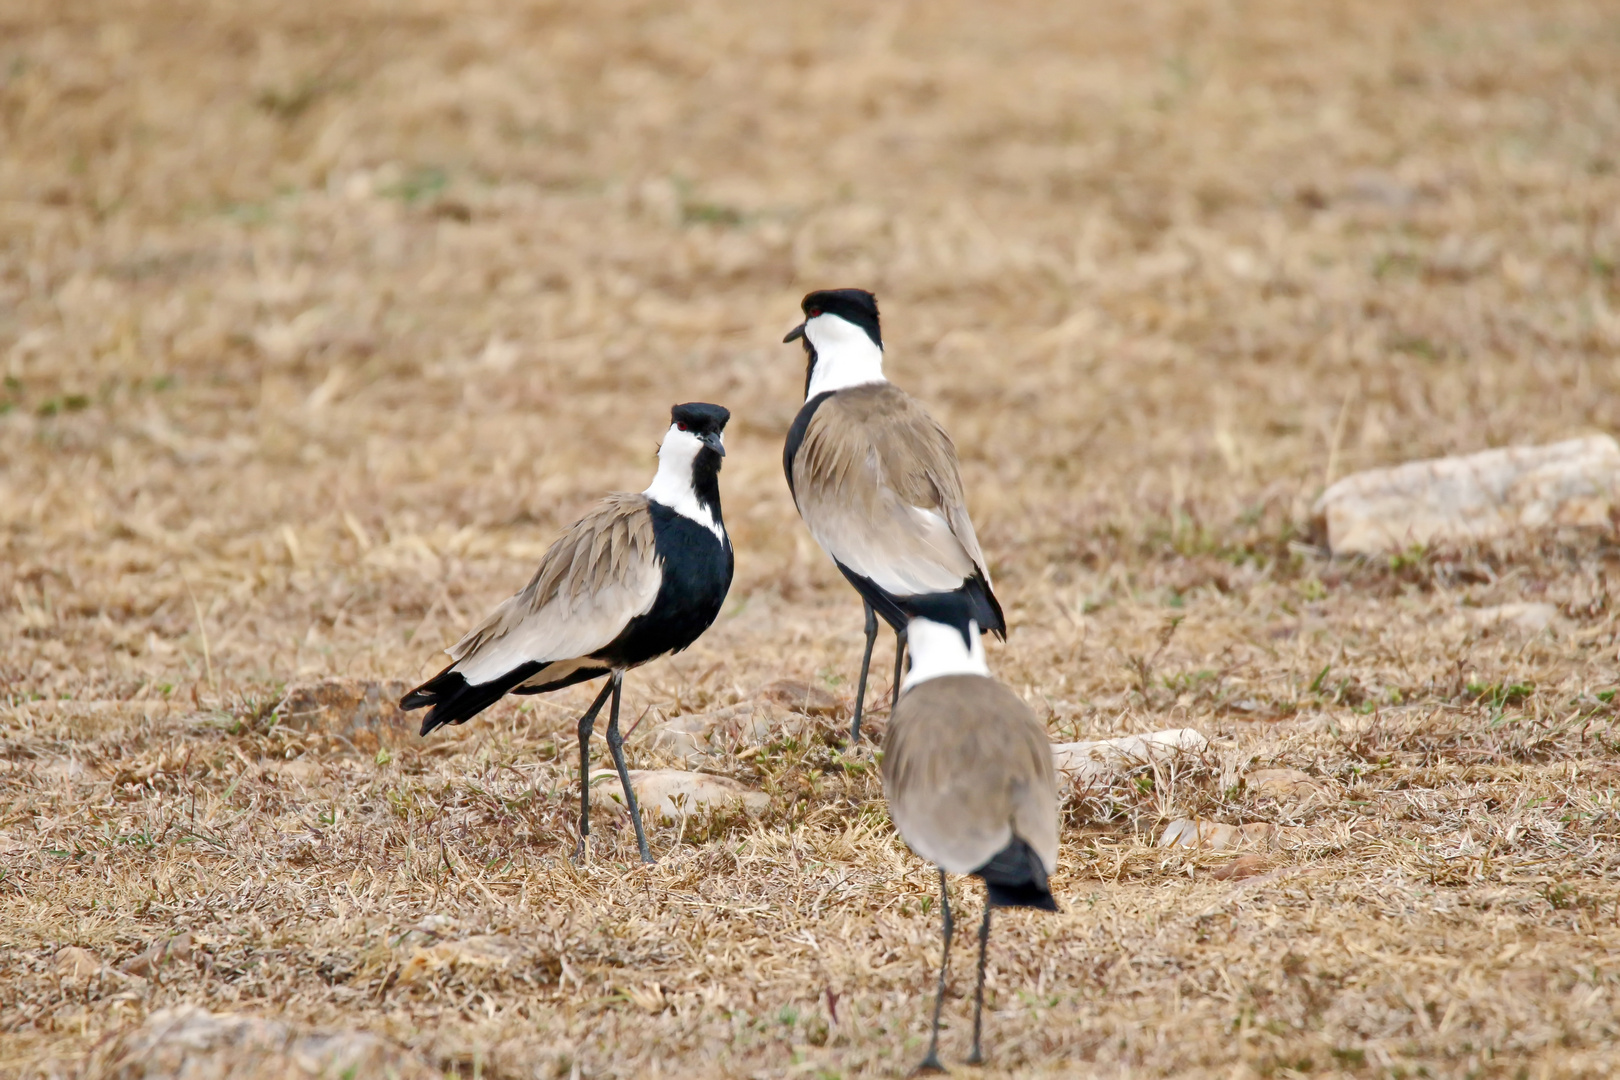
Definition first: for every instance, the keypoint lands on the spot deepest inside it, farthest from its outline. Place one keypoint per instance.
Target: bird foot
(975, 1058)
(930, 1066)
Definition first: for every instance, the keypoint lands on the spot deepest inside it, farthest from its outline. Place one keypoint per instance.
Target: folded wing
(966, 767)
(877, 483)
(599, 575)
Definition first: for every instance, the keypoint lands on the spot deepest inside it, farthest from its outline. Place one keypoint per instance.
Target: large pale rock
(1100, 760)
(1478, 497)
(189, 1043)
(672, 794)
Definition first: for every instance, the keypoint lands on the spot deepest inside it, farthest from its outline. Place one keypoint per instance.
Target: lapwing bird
(639, 577)
(877, 482)
(967, 771)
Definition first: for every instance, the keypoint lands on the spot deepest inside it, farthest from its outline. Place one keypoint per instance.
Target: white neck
(672, 485)
(845, 355)
(937, 649)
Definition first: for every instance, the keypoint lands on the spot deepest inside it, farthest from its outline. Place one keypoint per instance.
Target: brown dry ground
(319, 319)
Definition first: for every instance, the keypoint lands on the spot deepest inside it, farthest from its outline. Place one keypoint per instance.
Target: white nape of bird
(877, 482)
(968, 774)
(639, 577)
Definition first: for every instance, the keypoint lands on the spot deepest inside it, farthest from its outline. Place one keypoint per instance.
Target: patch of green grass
(66, 403)
(1410, 559)
(706, 213)
(1500, 695)
(418, 185)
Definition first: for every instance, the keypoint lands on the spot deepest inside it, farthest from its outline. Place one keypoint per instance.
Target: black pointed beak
(794, 334)
(712, 441)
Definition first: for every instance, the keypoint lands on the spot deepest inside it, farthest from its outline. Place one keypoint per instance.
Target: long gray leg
(977, 1058)
(866, 666)
(587, 722)
(899, 669)
(931, 1062)
(615, 743)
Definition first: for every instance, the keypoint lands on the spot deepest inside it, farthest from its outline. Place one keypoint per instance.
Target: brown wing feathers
(877, 482)
(968, 774)
(597, 550)
(591, 582)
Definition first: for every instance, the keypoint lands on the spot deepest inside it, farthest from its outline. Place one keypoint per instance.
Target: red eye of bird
(813, 312)
(681, 426)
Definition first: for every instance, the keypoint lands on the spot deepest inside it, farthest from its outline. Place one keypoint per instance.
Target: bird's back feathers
(967, 771)
(877, 483)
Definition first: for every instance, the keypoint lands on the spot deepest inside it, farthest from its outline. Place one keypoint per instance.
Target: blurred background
(334, 313)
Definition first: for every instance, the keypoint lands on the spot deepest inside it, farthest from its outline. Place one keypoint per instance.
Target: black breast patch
(795, 435)
(697, 568)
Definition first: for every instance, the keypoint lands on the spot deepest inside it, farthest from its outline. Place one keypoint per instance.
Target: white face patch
(937, 649)
(845, 355)
(672, 485)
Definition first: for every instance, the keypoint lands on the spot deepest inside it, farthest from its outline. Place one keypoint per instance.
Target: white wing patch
(567, 628)
(914, 552)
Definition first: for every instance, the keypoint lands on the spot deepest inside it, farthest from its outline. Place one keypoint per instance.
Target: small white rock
(1524, 617)
(1215, 836)
(1085, 763)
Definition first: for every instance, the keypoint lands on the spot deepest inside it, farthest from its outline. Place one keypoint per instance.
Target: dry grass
(320, 319)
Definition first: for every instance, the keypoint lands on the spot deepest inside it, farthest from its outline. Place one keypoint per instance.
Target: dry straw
(337, 312)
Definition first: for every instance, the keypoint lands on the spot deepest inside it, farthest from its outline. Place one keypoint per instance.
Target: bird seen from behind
(969, 779)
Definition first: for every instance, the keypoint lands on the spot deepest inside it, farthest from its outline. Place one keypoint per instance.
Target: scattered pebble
(1087, 763)
(74, 964)
(801, 697)
(672, 794)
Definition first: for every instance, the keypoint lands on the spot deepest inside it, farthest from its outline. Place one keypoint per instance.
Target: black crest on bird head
(700, 418)
(854, 305)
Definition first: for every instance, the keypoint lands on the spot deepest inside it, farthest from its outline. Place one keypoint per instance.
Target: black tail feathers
(455, 700)
(986, 608)
(973, 600)
(1015, 877)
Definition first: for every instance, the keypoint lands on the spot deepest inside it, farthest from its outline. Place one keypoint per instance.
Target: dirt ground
(319, 320)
